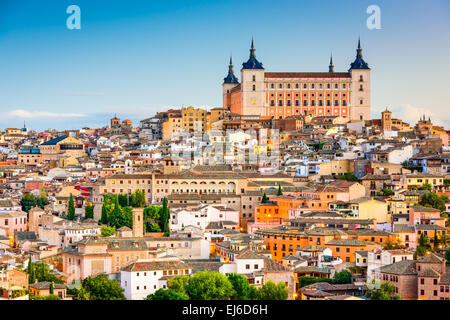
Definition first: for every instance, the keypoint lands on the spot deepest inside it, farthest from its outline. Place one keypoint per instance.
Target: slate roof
(45, 285)
(54, 141)
(273, 266)
(404, 267)
(404, 228)
(26, 236)
(431, 258)
(424, 209)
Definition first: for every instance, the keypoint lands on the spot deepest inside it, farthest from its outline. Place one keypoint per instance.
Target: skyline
(130, 60)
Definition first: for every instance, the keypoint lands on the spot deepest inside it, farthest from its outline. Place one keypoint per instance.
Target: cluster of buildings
(290, 177)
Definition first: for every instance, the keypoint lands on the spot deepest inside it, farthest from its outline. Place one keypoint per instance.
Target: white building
(379, 258)
(144, 277)
(201, 216)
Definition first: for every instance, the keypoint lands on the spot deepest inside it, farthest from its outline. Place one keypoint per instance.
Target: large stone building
(286, 94)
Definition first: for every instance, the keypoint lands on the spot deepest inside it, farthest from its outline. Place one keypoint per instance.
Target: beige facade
(193, 119)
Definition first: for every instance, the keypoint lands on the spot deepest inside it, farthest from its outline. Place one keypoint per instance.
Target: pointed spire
(252, 62)
(359, 50)
(252, 50)
(231, 78)
(359, 62)
(331, 66)
(231, 67)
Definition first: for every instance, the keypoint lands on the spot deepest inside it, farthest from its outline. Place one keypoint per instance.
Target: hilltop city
(288, 191)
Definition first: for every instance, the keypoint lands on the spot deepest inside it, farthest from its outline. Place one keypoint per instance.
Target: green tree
(40, 271)
(71, 209)
(240, 285)
(280, 191)
(270, 291)
(152, 212)
(107, 231)
(436, 242)
(162, 294)
(138, 199)
(178, 284)
(100, 288)
(152, 227)
(386, 192)
(42, 201)
(432, 200)
(104, 216)
(165, 215)
(342, 277)
(390, 245)
(348, 177)
(123, 200)
(30, 271)
(426, 186)
(264, 198)
(307, 280)
(51, 290)
(424, 240)
(385, 292)
(447, 256)
(208, 285)
(89, 211)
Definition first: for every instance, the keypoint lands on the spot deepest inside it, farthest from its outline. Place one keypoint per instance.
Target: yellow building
(216, 114)
(193, 120)
(419, 179)
(62, 146)
(67, 162)
(336, 167)
(172, 125)
(369, 208)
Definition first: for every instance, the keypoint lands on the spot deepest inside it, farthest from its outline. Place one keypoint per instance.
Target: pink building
(13, 221)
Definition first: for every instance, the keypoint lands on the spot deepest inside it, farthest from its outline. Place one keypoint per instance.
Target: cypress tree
(435, 241)
(280, 192)
(71, 210)
(104, 216)
(89, 211)
(264, 198)
(52, 288)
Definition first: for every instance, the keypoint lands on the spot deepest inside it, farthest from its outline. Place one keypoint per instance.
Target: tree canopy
(212, 285)
(386, 291)
(107, 231)
(342, 277)
(162, 294)
(29, 201)
(40, 271)
(100, 288)
(206, 285)
(432, 200)
(272, 291)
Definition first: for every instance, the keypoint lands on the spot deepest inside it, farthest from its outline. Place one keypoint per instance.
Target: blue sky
(135, 58)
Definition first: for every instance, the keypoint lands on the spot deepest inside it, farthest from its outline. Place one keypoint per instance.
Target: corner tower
(252, 85)
(229, 82)
(360, 87)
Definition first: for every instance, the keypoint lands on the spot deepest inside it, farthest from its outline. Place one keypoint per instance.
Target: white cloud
(412, 115)
(20, 113)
